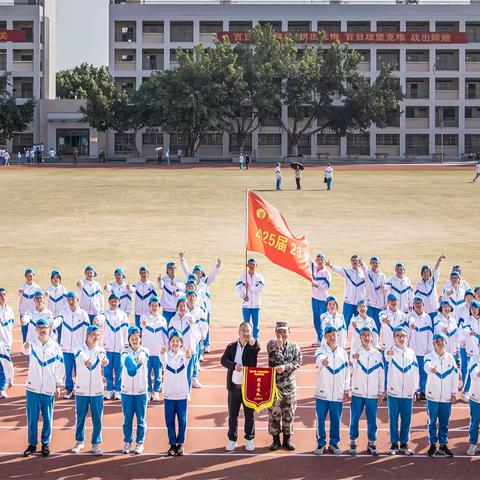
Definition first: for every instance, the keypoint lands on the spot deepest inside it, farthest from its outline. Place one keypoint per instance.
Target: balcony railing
(125, 37)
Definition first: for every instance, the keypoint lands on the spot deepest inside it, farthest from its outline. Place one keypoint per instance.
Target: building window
(388, 26)
(277, 26)
(211, 27)
(472, 143)
(386, 140)
(388, 59)
(23, 55)
(472, 56)
(212, 139)
(358, 143)
(328, 139)
(449, 140)
(3, 60)
(414, 56)
(152, 138)
(240, 26)
(473, 31)
(270, 139)
(446, 84)
(446, 27)
(416, 112)
(152, 59)
(124, 143)
(21, 141)
(234, 146)
(153, 27)
(27, 27)
(303, 147)
(358, 27)
(329, 27)
(416, 144)
(418, 26)
(298, 27)
(472, 112)
(181, 31)
(446, 60)
(125, 31)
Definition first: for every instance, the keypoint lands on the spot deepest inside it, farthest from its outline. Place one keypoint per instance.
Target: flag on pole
(268, 233)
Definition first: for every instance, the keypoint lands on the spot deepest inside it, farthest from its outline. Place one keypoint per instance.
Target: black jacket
(249, 358)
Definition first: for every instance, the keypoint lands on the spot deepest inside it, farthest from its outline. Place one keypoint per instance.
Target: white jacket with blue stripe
(114, 325)
(252, 287)
(30, 318)
(137, 384)
(91, 297)
(123, 293)
(474, 373)
(354, 284)
(368, 377)
(427, 290)
(333, 380)
(175, 383)
(89, 380)
(57, 300)
(154, 333)
(403, 375)
(421, 333)
(358, 322)
(46, 370)
(7, 319)
(396, 319)
(375, 288)
(338, 322)
(442, 384)
(449, 327)
(26, 297)
(402, 288)
(322, 279)
(74, 328)
(6, 362)
(172, 290)
(187, 327)
(143, 292)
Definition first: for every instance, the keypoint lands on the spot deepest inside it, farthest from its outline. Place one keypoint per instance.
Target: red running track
(206, 436)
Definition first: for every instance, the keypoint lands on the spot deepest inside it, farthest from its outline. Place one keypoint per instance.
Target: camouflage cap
(283, 325)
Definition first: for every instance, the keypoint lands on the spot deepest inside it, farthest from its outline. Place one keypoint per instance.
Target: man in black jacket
(239, 354)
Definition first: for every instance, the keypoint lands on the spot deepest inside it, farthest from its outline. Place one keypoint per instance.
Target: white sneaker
(3, 394)
(206, 349)
(249, 446)
(196, 383)
(68, 394)
(79, 446)
(335, 450)
(117, 395)
(139, 449)
(231, 445)
(108, 395)
(464, 397)
(127, 448)
(472, 450)
(96, 449)
(319, 451)
(156, 396)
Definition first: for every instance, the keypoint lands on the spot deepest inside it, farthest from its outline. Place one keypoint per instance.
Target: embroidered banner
(259, 389)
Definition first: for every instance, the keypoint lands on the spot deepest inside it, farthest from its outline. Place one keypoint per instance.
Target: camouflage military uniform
(282, 412)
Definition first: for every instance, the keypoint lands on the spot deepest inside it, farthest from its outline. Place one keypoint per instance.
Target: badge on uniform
(259, 389)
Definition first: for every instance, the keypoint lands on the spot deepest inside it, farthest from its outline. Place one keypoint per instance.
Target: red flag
(268, 233)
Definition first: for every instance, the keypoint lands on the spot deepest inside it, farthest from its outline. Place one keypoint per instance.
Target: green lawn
(65, 218)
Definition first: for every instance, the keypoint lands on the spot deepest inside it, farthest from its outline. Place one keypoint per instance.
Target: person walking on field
(298, 177)
(75, 156)
(477, 167)
(329, 176)
(278, 176)
(241, 160)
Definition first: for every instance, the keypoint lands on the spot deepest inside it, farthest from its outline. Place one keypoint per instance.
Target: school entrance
(69, 138)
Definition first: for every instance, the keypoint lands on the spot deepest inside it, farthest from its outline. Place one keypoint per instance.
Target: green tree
(13, 118)
(80, 81)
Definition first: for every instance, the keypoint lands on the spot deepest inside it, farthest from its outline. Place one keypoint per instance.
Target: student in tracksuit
(90, 357)
(445, 323)
(38, 311)
(471, 334)
(391, 318)
(144, 290)
(26, 293)
(463, 283)
(359, 322)
(198, 308)
(184, 322)
(7, 319)
(172, 289)
(134, 390)
(91, 294)
(45, 376)
(204, 283)
(6, 370)
(332, 388)
(367, 389)
(454, 294)
(375, 289)
(56, 293)
(402, 381)
(175, 391)
(474, 402)
(201, 324)
(402, 287)
(114, 325)
(420, 341)
(320, 286)
(463, 316)
(73, 322)
(122, 290)
(442, 388)
(354, 289)
(426, 288)
(249, 288)
(154, 338)
(332, 317)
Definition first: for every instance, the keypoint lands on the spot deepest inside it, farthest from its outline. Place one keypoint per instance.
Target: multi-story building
(434, 49)
(30, 62)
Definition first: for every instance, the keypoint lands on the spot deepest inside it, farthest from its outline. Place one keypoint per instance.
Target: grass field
(65, 218)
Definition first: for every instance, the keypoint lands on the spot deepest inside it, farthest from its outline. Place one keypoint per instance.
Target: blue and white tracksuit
(175, 393)
(354, 290)
(201, 323)
(171, 290)
(191, 336)
(154, 338)
(449, 327)
(463, 316)
(474, 402)
(420, 341)
(402, 382)
(30, 319)
(427, 290)
(402, 288)
(89, 391)
(322, 279)
(114, 325)
(357, 324)
(91, 298)
(7, 319)
(471, 334)
(123, 293)
(333, 381)
(57, 300)
(26, 303)
(143, 292)
(375, 297)
(251, 286)
(6, 367)
(74, 329)
(441, 386)
(455, 299)
(367, 384)
(338, 322)
(45, 374)
(134, 393)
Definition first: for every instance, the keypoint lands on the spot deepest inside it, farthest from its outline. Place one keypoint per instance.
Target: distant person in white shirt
(278, 176)
(477, 168)
(329, 176)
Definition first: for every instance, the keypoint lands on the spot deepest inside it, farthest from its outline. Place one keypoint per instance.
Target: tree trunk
(295, 148)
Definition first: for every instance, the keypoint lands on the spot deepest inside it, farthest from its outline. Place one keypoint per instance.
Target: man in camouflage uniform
(285, 357)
